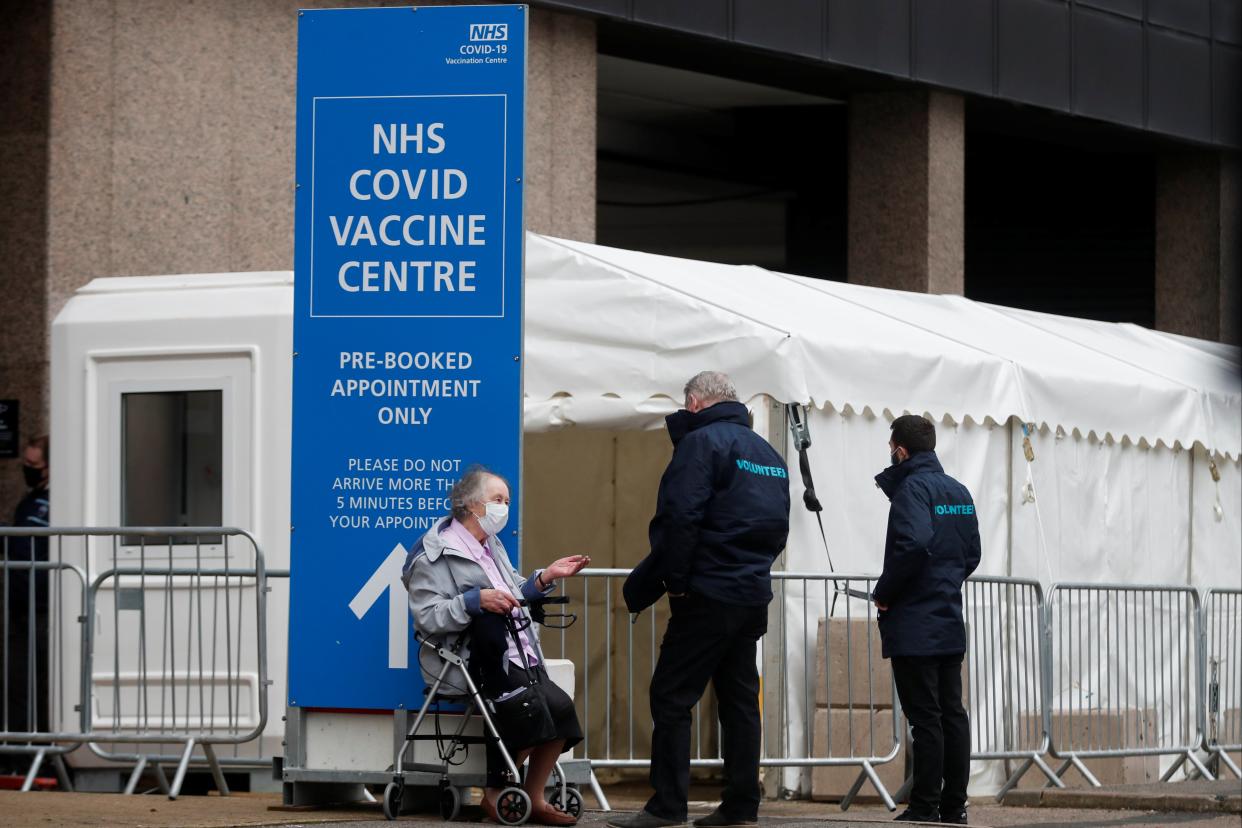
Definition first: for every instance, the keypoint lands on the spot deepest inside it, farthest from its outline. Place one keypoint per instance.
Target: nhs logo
(489, 31)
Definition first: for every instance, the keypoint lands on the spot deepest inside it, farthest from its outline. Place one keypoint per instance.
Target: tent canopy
(613, 334)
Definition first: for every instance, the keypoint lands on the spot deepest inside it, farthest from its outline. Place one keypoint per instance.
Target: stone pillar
(25, 44)
(1231, 249)
(1197, 245)
(906, 190)
(560, 126)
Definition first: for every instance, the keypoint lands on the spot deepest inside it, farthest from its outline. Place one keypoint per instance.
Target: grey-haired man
(722, 516)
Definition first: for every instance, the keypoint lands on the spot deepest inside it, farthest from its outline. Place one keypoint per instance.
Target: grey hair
(711, 387)
(469, 489)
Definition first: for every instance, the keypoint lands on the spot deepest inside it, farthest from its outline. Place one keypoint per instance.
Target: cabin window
(172, 458)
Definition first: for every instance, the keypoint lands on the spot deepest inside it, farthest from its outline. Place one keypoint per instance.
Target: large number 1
(388, 577)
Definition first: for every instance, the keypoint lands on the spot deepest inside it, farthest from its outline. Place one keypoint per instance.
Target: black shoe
(643, 819)
(719, 819)
(911, 815)
(949, 819)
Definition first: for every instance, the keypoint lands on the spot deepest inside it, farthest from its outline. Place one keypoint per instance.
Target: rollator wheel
(450, 803)
(513, 807)
(392, 800)
(572, 804)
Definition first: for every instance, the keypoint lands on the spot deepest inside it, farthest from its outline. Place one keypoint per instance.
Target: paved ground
(114, 811)
(1223, 795)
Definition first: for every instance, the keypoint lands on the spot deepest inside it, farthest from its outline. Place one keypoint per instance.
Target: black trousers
(930, 690)
(707, 640)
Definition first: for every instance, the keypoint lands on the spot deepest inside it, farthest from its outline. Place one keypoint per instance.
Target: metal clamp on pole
(800, 432)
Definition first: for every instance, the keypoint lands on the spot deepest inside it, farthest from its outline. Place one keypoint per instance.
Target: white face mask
(495, 518)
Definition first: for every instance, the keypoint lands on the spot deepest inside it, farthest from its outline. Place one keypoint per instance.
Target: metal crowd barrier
(39, 591)
(1126, 675)
(863, 690)
(867, 740)
(1094, 672)
(1222, 662)
(175, 673)
(1006, 662)
(172, 652)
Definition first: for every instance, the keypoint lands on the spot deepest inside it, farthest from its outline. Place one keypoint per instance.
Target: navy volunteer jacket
(722, 513)
(932, 547)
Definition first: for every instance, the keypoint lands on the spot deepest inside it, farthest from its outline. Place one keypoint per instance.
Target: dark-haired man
(931, 548)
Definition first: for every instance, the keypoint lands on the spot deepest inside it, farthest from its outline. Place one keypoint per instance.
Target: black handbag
(522, 716)
(523, 719)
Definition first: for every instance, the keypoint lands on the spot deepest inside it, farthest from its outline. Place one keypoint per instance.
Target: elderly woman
(460, 580)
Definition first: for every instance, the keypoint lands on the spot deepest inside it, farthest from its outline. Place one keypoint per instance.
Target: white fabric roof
(612, 335)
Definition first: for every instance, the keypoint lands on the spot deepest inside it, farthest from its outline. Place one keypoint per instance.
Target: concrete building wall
(157, 136)
(25, 42)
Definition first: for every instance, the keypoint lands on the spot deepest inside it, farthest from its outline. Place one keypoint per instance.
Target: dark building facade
(1074, 157)
(1171, 67)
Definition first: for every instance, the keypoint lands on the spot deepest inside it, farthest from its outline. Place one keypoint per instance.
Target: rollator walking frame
(513, 807)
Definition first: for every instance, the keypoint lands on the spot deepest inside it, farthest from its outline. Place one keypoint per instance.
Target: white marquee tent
(1125, 422)
(1127, 426)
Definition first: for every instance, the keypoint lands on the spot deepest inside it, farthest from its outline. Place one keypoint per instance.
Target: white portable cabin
(183, 360)
(1125, 423)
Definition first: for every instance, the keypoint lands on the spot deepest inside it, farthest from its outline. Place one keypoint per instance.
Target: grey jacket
(444, 585)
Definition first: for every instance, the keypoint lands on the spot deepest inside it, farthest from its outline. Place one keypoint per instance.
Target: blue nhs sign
(407, 319)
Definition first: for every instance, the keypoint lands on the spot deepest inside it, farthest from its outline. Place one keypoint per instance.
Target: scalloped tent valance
(613, 334)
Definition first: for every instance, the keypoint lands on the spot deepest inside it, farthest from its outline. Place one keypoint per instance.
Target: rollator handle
(556, 621)
(559, 599)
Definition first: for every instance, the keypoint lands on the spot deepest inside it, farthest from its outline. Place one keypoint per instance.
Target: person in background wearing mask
(459, 578)
(26, 677)
(32, 510)
(722, 517)
(932, 547)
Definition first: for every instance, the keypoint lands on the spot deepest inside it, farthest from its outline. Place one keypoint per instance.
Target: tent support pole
(770, 424)
(1010, 498)
(1190, 522)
